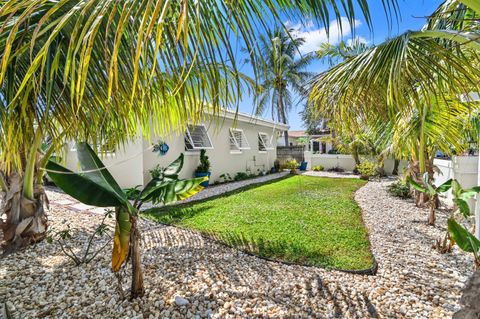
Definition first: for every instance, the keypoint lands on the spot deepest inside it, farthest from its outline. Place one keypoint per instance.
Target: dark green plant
(226, 177)
(240, 176)
(204, 166)
(431, 191)
(400, 189)
(96, 186)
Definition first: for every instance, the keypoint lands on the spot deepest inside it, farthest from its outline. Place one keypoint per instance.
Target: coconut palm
(282, 74)
(413, 81)
(97, 71)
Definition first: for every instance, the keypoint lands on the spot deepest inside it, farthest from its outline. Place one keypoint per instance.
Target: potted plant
(204, 168)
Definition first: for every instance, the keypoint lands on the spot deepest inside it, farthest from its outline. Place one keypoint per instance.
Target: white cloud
(315, 37)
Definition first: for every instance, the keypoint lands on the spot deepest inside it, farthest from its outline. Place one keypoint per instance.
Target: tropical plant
(62, 237)
(432, 191)
(458, 233)
(318, 168)
(96, 186)
(204, 166)
(281, 73)
(292, 165)
(99, 70)
(367, 169)
(400, 189)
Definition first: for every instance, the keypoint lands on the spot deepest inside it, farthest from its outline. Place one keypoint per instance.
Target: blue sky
(413, 13)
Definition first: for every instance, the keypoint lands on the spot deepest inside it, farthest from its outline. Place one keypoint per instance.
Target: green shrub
(204, 166)
(400, 189)
(291, 164)
(240, 176)
(367, 169)
(318, 168)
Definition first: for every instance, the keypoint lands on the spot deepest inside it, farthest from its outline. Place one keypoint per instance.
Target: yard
(301, 219)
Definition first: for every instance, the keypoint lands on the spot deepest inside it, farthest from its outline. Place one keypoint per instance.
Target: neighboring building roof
(297, 133)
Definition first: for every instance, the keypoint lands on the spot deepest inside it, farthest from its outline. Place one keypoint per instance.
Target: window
(196, 138)
(264, 142)
(238, 140)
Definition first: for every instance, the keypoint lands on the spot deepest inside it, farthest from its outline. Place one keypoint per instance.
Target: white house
(235, 142)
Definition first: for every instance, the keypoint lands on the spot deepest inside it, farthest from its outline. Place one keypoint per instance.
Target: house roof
(252, 119)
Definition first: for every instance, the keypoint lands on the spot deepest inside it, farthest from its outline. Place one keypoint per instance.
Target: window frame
(233, 138)
(268, 146)
(189, 136)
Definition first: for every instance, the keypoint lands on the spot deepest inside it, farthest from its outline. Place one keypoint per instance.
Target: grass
(301, 219)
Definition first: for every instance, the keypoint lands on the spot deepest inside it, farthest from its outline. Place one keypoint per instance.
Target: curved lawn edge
(253, 245)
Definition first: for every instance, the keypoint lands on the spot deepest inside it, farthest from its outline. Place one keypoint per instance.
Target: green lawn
(301, 219)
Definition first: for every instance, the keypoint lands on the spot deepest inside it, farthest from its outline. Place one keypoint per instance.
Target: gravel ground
(187, 276)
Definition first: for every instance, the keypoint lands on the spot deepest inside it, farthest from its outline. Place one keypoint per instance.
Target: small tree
(96, 186)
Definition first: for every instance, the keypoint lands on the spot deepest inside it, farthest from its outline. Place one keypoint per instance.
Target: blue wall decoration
(161, 148)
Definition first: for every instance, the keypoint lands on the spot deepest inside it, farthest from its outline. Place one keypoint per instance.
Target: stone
(180, 301)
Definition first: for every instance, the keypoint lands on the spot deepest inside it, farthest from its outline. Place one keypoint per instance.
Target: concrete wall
(131, 166)
(125, 164)
(462, 168)
(346, 162)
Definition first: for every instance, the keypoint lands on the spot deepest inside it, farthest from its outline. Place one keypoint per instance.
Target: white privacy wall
(461, 168)
(345, 162)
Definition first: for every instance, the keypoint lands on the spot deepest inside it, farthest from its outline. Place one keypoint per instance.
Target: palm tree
(416, 80)
(97, 71)
(282, 74)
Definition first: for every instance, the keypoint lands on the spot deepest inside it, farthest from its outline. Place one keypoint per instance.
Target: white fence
(462, 168)
(343, 161)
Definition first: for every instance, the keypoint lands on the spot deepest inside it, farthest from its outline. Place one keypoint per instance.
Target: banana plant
(96, 186)
(460, 235)
(431, 191)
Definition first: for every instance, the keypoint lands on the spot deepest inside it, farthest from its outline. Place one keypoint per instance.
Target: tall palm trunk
(396, 164)
(23, 202)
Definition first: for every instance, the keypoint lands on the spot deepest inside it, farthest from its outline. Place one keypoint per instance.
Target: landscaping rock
(413, 281)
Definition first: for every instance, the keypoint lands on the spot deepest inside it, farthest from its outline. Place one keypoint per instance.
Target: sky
(413, 13)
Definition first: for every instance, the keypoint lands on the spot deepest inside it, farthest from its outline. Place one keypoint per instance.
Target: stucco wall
(343, 161)
(221, 158)
(125, 165)
(461, 168)
(130, 166)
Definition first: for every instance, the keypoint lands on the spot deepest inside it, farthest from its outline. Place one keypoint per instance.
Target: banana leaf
(464, 239)
(175, 167)
(416, 186)
(121, 239)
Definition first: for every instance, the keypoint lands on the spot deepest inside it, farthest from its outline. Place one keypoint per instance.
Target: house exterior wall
(131, 170)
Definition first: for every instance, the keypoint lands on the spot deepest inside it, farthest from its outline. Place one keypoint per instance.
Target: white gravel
(187, 276)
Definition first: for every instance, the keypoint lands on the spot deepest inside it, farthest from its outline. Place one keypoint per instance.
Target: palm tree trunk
(396, 164)
(23, 201)
(26, 221)
(431, 216)
(138, 288)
